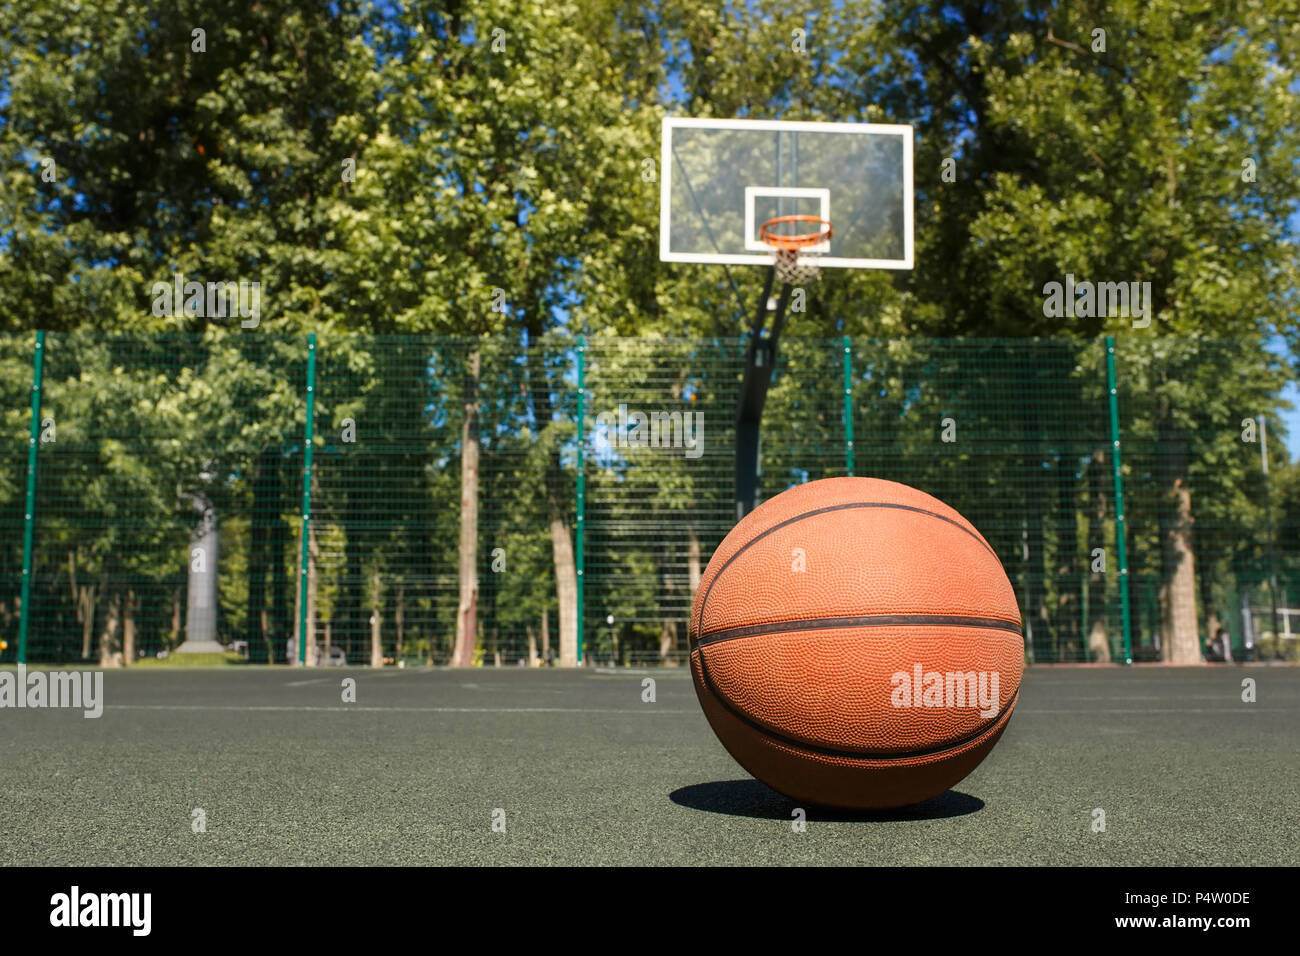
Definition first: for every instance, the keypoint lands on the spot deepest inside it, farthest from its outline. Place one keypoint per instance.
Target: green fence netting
(168, 496)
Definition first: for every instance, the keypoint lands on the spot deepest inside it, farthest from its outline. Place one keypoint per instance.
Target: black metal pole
(760, 357)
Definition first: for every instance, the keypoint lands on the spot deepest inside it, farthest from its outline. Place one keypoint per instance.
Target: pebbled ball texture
(796, 670)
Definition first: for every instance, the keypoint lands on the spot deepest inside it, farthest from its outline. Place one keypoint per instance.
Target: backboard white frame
(764, 257)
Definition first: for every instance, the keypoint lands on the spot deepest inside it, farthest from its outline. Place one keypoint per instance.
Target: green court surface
(285, 772)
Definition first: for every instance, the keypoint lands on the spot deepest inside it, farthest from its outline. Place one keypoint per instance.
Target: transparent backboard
(720, 180)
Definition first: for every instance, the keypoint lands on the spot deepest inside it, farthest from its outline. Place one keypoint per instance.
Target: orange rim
(798, 240)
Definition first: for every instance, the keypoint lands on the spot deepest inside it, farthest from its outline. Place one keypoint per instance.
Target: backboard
(720, 180)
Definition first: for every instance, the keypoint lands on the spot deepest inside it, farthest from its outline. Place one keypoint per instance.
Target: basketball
(855, 643)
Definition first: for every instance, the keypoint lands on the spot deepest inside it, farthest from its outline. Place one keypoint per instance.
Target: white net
(795, 267)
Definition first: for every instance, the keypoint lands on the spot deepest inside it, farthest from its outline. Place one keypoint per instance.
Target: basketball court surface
(286, 773)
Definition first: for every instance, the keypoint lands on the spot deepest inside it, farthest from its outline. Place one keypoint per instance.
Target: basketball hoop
(795, 259)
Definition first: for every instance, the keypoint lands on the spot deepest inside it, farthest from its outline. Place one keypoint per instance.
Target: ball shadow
(749, 798)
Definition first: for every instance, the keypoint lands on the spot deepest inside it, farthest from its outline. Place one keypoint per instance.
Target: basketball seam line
(852, 754)
(821, 511)
(864, 620)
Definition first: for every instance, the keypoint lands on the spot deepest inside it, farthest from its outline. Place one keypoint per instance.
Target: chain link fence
(166, 505)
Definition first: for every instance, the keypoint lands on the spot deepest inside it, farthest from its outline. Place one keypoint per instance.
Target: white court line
(1151, 697)
(403, 710)
(642, 710)
(1170, 680)
(1154, 710)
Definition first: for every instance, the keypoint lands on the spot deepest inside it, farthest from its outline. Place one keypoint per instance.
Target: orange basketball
(856, 643)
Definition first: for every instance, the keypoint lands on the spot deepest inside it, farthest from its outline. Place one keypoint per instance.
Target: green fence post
(580, 529)
(848, 407)
(29, 510)
(1120, 530)
(306, 498)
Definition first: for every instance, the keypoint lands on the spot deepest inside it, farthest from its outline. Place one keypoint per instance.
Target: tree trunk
(128, 629)
(1038, 631)
(1180, 644)
(462, 654)
(1069, 592)
(350, 607)
(284, 606)
(566, 589)
(559, 498)
(297, 616)
(83, 603)
(1206, 584)
(400, 621)
(109, 656)
(668, 643)
(265, 514)
(667, 592)
(1212, 625)
(174, 638)
(72, 584)
(546, 637)
(376, 621)
(376, 641)
(532, 645)
(1098, 639)
(693, 578)
(693, 562)
(86, 615)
